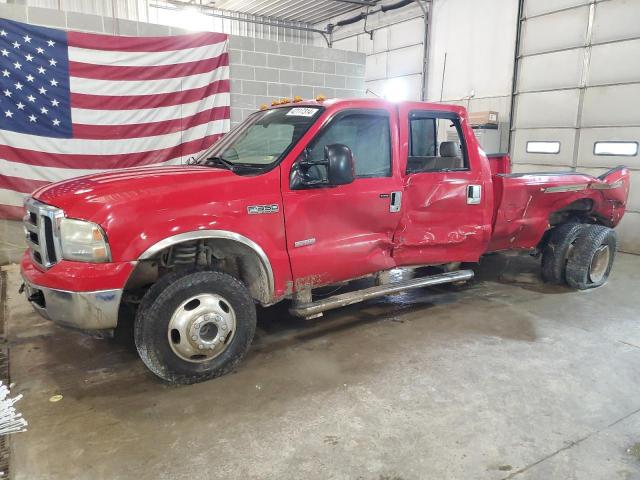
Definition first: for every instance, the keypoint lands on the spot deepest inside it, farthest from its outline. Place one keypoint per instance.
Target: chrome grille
(41, 223)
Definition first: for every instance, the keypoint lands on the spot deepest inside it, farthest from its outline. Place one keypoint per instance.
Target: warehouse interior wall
(394, 47)
(471, 56)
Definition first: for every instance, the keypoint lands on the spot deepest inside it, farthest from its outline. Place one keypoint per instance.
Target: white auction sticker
(302, 111)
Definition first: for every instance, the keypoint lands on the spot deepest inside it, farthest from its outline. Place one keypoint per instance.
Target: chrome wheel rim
(202, 327)
(599, 263)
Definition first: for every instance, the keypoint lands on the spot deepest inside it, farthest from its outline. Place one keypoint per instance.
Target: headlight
(83, 241)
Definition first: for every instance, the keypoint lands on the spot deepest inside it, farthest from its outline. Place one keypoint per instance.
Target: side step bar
(314, 309)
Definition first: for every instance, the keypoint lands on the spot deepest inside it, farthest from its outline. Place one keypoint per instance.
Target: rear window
(436, 143)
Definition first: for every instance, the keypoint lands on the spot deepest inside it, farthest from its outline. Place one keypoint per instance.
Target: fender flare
(214, 234)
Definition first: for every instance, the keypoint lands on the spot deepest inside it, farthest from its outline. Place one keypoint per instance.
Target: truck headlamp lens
(83, 241)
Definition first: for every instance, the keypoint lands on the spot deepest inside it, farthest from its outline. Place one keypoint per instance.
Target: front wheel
(193, 326)
(591, 259)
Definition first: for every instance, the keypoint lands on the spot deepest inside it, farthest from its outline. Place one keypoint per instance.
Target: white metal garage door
(578, 93)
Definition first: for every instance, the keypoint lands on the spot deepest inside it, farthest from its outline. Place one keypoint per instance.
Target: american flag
(76, 103)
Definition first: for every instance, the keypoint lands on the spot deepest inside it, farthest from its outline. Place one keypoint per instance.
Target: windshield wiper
(234, 167)
(219, 161)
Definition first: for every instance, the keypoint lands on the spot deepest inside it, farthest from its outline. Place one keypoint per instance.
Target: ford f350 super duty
(299, 196)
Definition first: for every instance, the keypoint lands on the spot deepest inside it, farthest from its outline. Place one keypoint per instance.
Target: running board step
(315, 309)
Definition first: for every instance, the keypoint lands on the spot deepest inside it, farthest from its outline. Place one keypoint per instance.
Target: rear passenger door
(444, 218)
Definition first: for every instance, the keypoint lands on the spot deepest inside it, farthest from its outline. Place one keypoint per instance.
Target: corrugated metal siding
(292, 10)
(297, 10)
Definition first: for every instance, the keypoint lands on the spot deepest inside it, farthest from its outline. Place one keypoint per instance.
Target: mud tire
(555, 253)
(588, 266)
(157, 307)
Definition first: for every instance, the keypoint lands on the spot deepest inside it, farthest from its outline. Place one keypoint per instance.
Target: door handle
(474, 194)
(396, 202)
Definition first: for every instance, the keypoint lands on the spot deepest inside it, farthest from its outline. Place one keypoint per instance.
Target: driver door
(341, 232)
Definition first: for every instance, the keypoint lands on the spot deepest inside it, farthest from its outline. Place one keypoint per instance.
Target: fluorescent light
(543, 147)
(395, 90)
(189, 18)
(628, 149)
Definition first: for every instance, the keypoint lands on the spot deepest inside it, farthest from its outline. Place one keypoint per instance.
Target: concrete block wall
(83, 22)
(263, 70)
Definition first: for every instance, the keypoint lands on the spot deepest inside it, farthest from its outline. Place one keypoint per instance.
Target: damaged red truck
(299, 196)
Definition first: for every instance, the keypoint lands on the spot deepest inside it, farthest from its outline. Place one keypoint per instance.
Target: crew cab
(301, 195)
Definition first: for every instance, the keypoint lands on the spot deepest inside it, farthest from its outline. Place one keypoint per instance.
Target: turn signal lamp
(320, 98)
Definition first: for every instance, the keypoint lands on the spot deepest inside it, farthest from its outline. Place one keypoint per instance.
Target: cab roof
(367, 103)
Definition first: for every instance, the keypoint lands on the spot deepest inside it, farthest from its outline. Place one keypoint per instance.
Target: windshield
(262, 139)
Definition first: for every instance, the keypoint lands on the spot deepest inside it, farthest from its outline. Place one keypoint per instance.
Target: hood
(125, 185)
(145, 190)
(139, 207)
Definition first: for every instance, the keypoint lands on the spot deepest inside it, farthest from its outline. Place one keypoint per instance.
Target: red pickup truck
(300, 196)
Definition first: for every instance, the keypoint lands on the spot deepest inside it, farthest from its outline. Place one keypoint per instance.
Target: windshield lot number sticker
(302, 112)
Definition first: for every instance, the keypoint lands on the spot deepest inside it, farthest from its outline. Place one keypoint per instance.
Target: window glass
(264, 137)
(423, 137)
(543, 147)
(262, 143)
(627, 149)
(368, 137)
(435, 145)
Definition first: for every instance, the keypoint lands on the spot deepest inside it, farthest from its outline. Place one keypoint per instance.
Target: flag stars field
(30, 81)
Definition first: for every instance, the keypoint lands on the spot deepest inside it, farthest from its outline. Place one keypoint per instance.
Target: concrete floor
(12, 243)
(505, 378)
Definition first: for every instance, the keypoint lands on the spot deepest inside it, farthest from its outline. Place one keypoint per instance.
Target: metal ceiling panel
(310, 12)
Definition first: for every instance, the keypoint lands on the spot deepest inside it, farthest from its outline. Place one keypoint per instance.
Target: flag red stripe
(36, 158)
(105, 102)
(143, 44)
(11, 212)
(23, 185)
(106, 132)
(154, 72)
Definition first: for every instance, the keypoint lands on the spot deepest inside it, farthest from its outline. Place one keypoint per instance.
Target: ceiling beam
(366, 3)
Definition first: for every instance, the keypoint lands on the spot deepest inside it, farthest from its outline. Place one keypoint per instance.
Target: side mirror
(337, 168)
(340, 166)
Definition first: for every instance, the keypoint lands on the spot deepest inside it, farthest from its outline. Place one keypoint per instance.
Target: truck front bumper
(80, 295)
(83, 310)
